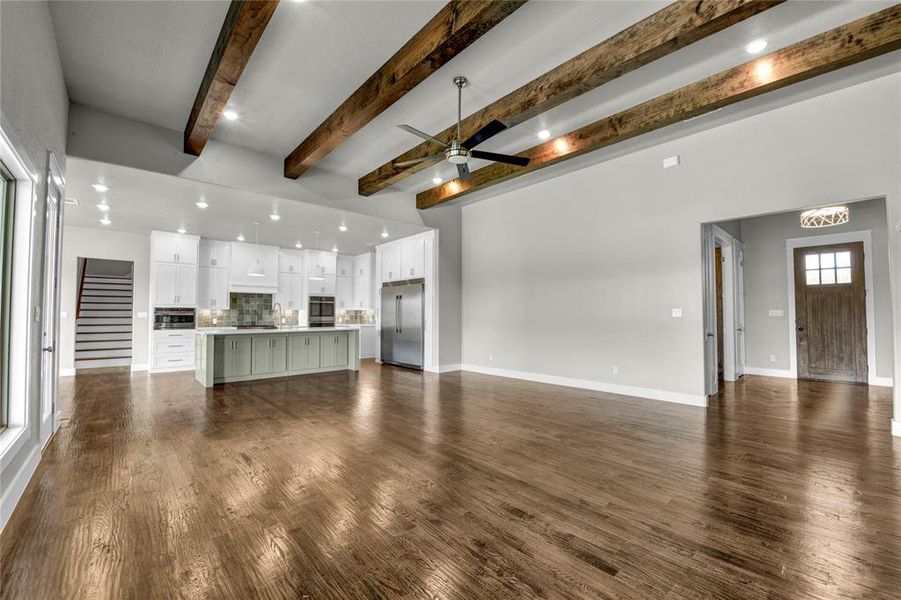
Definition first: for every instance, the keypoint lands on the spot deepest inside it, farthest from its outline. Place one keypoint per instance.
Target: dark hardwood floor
(395, 484)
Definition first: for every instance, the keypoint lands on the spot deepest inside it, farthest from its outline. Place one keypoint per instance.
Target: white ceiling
(127, 58)
(141, 201)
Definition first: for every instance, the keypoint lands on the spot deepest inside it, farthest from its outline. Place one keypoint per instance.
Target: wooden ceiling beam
(842, 46)
(666, 31)
(452, 30)
(243, 26)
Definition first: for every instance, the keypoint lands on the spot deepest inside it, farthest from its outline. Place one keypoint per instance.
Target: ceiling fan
(459, 152)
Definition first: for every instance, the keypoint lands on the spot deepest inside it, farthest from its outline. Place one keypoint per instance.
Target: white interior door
(50, 334)
(710, 359)
(738, 271)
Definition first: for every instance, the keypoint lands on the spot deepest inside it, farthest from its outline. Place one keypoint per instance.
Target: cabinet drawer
(185, 334)
(164, 361)
(173, 346)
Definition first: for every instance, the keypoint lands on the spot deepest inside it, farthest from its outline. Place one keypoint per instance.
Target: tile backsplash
(355, 317)
(244, 309)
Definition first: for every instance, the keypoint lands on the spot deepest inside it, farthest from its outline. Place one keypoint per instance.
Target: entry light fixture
(827, 216)
(230, 115)
(100, 187)
(756, 46)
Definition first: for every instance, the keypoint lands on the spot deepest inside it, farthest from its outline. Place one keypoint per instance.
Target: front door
(830, 313)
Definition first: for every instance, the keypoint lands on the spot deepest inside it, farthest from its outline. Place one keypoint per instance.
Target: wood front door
(830, 313)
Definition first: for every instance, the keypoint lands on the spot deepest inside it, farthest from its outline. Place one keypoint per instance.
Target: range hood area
(253, 269)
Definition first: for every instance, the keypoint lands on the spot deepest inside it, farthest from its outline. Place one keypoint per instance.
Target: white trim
(786, 373)
(726, 241)
(896, 428)
(140, 367)
(882, 381)
(445, 368)
(66, 372)
(598, 386)
(17, 486)
(828, 240)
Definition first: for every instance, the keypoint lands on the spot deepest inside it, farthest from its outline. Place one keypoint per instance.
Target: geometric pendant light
(825, 217)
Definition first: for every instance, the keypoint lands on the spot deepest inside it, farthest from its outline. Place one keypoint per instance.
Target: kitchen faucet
(277, 314)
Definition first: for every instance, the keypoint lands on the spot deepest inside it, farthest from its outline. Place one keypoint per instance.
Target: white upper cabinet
(321, 285)
(214, 254)
(363, 265)
(391, 262)
(253, 268)
(362, 292)
(175, 285)
(212, 286)
(174, 247)
(186, 282)
(290, 262)
(344, 292)
(345, 266)
(412, 258)
(165, 285)
(320, 262)
(290, 291)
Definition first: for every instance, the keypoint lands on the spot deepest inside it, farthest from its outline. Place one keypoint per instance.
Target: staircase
(103, 321)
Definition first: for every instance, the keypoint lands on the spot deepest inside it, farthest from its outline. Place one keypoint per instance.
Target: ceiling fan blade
(422, 134)
(463, 171)
(490, 130)
(434, 157)
(519, 161)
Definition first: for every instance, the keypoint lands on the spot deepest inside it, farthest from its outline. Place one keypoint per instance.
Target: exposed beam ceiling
(666, 31)
(452, 30)
(848, 44)
(243, 26)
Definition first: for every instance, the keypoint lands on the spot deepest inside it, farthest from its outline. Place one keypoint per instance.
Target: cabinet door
(363, 265)
(204, 287)
(166, 286)
(207, 255)
(345, 266)
(282, 295)
(391, 263)
(362, 292)
(279, 350)
(238, 351)
(164, 249)
(327, 350)
(186, 251)
(186, 285)
(344, 290)
(289, 262)
(261, 355)
(304, 354)
(340, 349)
(219, 288)
(413, 258)
(321, 285)
(295, 292)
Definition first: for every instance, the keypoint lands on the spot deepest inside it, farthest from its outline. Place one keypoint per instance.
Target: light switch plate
(671, 161)
(677, 313)
(64, 315)
(777, 312)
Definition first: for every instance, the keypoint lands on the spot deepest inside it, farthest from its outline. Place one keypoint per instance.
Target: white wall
(34, 108)
(114, 245)
(573, 275)
(766, 283)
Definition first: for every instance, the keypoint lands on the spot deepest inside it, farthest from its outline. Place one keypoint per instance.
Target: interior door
(739, 295)
(711, 384)
(830, 313)
(50, 335)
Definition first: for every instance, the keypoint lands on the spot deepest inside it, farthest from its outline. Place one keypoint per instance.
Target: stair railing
(81, 276)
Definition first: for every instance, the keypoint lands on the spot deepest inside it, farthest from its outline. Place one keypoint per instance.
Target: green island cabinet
(224, 357)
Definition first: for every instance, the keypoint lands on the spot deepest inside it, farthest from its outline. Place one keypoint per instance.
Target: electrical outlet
(772, 358)
(677, 313)
(615, 370)
(215, 320)
(63, 315)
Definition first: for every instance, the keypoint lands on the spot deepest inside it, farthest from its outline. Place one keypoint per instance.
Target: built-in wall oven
(173, 318)
(322, 311)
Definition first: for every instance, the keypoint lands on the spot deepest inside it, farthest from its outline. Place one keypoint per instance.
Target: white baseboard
(140, 368)
(448, 368)
(784, 373)
(882, 381)
(66, 372)
(598, 386)
(896, 428)
(17, 486)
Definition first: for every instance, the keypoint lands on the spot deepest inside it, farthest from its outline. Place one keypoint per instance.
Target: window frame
(7, 239)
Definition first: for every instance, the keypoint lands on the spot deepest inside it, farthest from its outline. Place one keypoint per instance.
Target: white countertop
(294, 329)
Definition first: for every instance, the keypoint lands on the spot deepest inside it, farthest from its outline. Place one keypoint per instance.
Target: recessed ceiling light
(100, 187)
(436, 180)
(230, 115)
(334, 248)
(105, 220)
(103, 207)
(756, 46)
(298, 245)
(181, 230)
(385, 233)
(342, 227)
(240, 237)
(201, 204)
(544, 134)
(275, 216)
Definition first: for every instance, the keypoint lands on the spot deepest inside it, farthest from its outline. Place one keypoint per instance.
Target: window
(828, 268)
(7, 196)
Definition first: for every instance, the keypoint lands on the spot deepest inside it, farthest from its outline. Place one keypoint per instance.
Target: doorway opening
(724, 307)
(103, 317)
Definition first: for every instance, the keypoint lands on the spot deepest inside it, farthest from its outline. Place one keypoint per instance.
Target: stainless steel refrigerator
(402, 323)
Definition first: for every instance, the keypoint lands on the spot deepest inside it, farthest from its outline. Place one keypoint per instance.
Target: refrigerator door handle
(400, 314)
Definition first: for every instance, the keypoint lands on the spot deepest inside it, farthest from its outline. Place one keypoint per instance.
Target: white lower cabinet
(172, 350)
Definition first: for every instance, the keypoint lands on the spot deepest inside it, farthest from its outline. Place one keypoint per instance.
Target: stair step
(103, 353)
(102, 336)
(117, 299)
(102, 345)
(106, 306)
(98, 363)
(120, 293)
(96, 287)
(124, 321)
(106, 279)
(111, 313)
(102, 329)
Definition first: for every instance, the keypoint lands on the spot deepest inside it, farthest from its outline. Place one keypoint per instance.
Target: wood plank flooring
(396, 484)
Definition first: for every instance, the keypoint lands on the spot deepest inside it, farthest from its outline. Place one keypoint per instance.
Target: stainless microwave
(173, 318)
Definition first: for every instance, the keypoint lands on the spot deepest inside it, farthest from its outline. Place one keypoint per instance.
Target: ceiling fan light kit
(459, 152)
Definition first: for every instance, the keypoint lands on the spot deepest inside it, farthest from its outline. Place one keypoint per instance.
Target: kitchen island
(229, 354)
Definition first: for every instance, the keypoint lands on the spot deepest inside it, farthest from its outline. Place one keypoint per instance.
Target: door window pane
(813, 277)
(842, 259)
(827, 276)
(843, 275)
(827, 261)
(812, 261)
